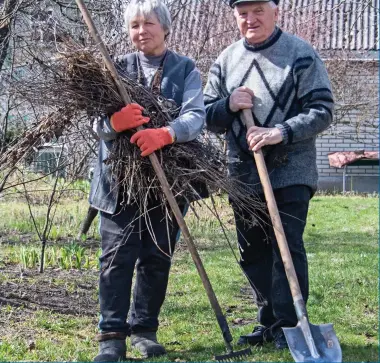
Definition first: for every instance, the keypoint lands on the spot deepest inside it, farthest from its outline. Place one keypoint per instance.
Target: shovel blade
(325, 340)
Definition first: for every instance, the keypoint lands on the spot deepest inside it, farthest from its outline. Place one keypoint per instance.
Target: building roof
(333, 24)
(329, 25)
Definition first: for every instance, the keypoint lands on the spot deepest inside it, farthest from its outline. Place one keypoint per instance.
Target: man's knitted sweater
(292, 92)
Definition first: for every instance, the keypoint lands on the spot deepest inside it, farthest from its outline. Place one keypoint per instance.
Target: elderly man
(285, 84)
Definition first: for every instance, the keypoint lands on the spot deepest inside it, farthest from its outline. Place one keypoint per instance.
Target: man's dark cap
(234, 2)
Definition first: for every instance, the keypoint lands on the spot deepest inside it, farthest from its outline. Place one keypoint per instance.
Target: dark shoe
(259, 335)
(112, 350)
(280, 340)
(147, 344)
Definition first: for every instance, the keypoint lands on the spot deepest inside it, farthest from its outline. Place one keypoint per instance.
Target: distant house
(345, 33)
(47, 159)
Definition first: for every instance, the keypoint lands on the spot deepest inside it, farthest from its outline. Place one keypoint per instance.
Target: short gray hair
(148, 7)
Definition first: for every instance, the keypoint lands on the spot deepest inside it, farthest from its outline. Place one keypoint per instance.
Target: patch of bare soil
(246, 295)
(65, 292)
(15, 238)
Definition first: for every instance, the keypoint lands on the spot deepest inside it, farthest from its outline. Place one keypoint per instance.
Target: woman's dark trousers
(132, 241)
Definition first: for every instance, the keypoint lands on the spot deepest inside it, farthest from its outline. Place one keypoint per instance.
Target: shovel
(307, 342)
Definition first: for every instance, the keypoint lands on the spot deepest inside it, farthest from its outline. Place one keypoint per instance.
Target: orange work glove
(129, 117)
(150, 140)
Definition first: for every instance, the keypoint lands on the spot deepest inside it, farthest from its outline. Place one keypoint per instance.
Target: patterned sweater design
(292, 92)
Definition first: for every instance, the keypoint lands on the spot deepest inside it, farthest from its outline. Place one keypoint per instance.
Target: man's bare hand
(258, 137)
(241, 98)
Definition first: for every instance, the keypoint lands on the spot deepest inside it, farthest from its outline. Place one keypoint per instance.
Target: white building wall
(348, 136)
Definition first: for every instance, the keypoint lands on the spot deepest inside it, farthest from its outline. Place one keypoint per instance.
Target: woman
(126, 241)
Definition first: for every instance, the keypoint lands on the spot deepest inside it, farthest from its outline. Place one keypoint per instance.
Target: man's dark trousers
(130, 240)
(261, 259)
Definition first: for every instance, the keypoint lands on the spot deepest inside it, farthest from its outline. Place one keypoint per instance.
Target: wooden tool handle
(275, 216)
(164, 182)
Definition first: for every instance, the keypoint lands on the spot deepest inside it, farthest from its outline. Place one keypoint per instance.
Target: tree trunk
(6, 17)
(2, 184)
(42, 259)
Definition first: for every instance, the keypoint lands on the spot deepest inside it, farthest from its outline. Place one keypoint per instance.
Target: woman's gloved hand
(129, 117)
(150, 140)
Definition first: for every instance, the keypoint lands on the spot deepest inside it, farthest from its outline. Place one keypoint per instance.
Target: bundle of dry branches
(76, 84)
(58, 86)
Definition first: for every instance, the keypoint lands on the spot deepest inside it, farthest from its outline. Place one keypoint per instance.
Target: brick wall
(329, 142)
(357, 129)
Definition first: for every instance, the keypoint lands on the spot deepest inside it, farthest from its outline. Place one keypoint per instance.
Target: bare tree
(7, 13)
(31, 32)
(43, 234)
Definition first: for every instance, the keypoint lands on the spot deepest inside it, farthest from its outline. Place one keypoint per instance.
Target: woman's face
(147, 34)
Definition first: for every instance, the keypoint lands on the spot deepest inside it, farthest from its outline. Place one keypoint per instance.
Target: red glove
(150, 140)
(129, 117)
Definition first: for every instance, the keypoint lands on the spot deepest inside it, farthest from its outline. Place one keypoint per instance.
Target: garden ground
(53, 316)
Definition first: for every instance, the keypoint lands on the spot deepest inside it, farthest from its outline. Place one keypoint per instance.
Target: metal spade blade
(321, 346)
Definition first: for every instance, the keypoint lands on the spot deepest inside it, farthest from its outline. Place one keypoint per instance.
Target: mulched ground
(65, 292)
(72, 293)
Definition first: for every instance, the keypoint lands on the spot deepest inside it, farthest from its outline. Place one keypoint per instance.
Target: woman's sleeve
(189, 124)
(104, 130)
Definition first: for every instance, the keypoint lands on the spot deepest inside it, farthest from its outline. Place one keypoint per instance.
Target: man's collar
(266, 43)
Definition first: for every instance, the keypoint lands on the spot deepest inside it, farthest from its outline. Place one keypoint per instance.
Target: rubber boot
(112, 348)
(146, 343)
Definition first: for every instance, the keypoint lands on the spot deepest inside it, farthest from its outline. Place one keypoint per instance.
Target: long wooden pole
(164, 182)
(299, 303)
(274, 214)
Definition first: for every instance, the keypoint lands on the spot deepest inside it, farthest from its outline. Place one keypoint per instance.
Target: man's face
(256, 20)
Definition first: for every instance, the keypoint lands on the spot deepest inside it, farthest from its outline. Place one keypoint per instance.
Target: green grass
(342, 243)
(15, 220)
